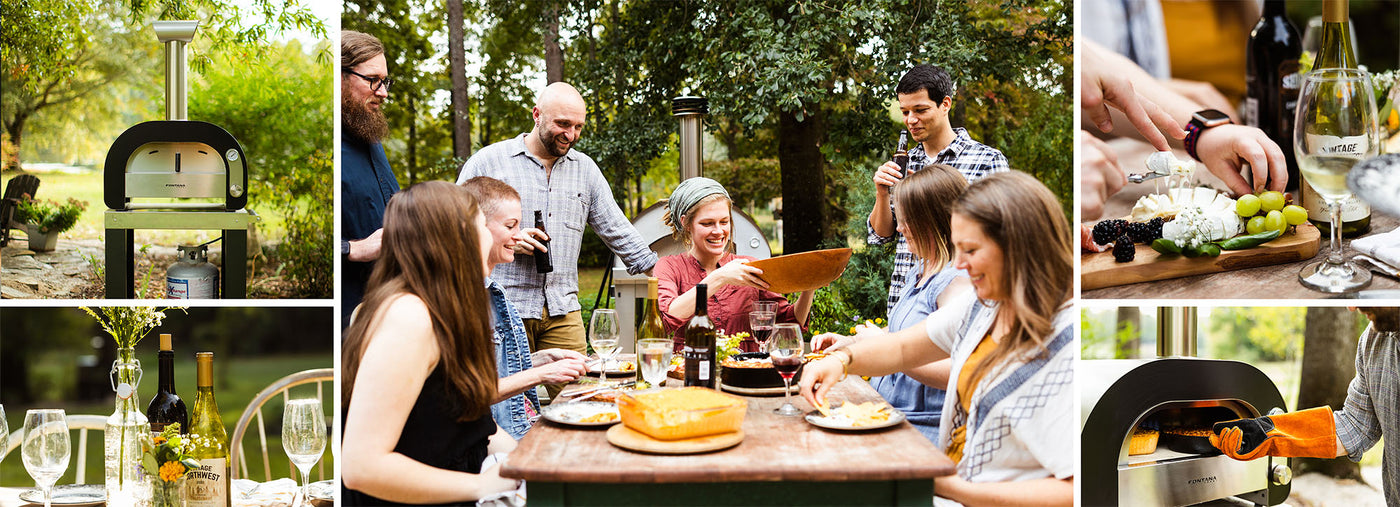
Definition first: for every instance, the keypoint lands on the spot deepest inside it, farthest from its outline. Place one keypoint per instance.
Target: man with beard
(568, 188)
(366, 181)
(925, 97)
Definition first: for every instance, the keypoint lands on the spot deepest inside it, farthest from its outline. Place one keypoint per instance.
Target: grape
(1295, 214)
(1274, 221)
(1254, 225)
(1247, 205)
(1271, 200)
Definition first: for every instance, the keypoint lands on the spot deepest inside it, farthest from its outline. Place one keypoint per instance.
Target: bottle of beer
(901, 154)
(1336, 52)
(1272, 81)
(207, 486)
(166, 407)
(542, 262)
(699, 351)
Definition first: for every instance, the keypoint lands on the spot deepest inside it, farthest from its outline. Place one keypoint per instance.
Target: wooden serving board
(627, 438)
(1099, 270)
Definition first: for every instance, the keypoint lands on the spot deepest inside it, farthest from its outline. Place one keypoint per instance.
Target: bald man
(567, 186)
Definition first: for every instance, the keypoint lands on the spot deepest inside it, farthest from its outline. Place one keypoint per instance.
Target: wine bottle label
(1251, 112)
(207, 486)
(1346, 146)
(1354, 209)
(700, 358)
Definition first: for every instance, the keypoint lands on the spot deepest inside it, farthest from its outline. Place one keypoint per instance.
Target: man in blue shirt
(366, 181)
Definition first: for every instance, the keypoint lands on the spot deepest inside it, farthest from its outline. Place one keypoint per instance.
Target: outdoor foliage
(49, 216)
(1257, 334)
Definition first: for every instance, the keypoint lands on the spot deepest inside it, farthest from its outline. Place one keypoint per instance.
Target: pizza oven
(1181, 397)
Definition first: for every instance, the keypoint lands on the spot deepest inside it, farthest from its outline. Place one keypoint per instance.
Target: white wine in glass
(303, 437)
(45, 449)
(4, 434)
(603, 331)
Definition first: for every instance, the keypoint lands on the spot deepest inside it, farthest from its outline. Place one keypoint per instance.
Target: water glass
(653, 359)
(765, 306)
(603, 332)
(761, 325)
(45, 449)
(785, 350)
(303, 437)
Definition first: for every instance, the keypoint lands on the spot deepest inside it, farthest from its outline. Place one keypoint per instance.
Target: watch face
(1211, 117)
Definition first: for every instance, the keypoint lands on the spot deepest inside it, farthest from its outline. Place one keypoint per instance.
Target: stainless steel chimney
(175, 34)
(691, 111)
(1176, 331)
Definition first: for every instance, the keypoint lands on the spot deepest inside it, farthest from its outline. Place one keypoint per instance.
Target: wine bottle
(699, 351)
(542, 262)
(901, 154)
(1272, 81)
(166, 407)
(1336, 52)
(649, 324)
(207, 486)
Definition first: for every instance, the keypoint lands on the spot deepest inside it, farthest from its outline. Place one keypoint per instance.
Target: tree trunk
(457, 66)
(1128, 339)
(553, 55)
(16, 130)
(1329, 355)
(802, 169)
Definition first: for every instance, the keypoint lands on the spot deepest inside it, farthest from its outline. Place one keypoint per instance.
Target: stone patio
(60, 274)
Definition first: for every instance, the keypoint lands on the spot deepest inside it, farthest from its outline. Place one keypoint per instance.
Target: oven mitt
(1309, 433)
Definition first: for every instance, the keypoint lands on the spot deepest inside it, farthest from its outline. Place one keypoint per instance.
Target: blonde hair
(924, 200)
(683, 232)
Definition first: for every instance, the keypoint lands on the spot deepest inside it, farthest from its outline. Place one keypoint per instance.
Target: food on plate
(1195, 226)
(1175, 200)
(1166, 163)
(1143, 441)
(1189, 432)
(860, 415)
(747, 363)
(674, 414)
(600, 417)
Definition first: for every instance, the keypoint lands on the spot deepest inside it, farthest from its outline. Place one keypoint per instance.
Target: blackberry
(1139, 232)
(1156, 229)
(1123, 249)
(1105, 231)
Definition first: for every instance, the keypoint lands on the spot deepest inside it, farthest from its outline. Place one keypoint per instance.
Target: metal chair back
(76, 422)
(323, 377)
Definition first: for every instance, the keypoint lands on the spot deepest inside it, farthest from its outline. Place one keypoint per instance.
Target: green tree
(1259, 334)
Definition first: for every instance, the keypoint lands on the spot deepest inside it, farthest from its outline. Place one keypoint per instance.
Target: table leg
(120, 264)
(235, 264)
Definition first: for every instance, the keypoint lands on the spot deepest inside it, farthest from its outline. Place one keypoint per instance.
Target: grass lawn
(237, 381)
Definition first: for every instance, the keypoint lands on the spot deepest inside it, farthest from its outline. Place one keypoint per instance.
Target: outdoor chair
(323, 377)
(14, 191)
(80, 423)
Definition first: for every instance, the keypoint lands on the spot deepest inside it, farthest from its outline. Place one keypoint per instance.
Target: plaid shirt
(573, 196)
(1372, 408)
(971, 158)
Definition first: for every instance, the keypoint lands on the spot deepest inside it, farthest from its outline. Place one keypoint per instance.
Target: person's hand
(1100, 175)
(492, 481)
(885, 177)
(1226, 149)
(817, 378)
(1103, 86)
(1310, 433)
(529, 239)
(831, 341)
(561, 371)
(546, 356)
(365, 250)
(737, 272)
(864, 331)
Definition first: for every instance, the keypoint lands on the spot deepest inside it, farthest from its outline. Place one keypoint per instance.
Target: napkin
(512, 498)
(276, 493)
(1384, 247)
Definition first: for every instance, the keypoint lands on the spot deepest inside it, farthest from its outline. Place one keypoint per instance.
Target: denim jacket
(512, 356)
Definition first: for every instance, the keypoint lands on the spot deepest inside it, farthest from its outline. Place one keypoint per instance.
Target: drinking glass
(761, 323)
(45, 448)
(603, 331)
(765, 306)
(303, 437)
(1335, 128)
(653, 358)
(785, 349)
(4, 433)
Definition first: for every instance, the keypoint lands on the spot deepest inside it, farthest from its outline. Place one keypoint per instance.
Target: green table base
(917, 492)
(121, 256)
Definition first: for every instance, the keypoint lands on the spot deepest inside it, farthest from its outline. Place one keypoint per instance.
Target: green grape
(1247, 205)
(1295, 214)
(1254, 225)
(1274, 221)
(1271, 201)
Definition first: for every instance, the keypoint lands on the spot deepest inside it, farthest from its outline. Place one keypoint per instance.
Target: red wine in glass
(786, 365)
(761, 333)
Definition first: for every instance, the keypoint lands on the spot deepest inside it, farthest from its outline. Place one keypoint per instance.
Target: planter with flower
(166, 460)
(47, 219)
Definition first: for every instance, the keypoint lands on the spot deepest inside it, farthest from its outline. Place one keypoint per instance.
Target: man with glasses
(366, 181)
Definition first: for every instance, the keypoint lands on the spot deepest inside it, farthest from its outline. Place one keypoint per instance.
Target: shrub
(50, 216)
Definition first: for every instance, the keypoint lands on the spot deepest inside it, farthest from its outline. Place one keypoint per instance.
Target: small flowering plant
(166, 460)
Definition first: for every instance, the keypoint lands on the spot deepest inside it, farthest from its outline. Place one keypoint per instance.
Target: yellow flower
(158, 440)
(1393, 122)
(171, 471)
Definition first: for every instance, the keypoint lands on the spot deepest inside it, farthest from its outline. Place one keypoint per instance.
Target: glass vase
(168, 493)
(127, 436)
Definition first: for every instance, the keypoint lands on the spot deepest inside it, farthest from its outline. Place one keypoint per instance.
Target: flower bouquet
(166, 460)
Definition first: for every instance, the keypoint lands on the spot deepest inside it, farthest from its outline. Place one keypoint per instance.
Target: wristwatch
(1200, 121)
(345, 248)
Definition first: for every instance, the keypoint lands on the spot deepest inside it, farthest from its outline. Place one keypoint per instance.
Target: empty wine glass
(785, 349)
(761, 324)
(653, 358)
(303, 437)
(765, 306)
(603, 331)
(45, 448)
(4, 433)
(1335, 129)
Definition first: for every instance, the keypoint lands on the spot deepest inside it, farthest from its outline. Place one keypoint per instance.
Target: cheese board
(1099, 270)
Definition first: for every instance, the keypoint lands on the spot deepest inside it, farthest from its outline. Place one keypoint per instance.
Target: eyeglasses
(375, 83)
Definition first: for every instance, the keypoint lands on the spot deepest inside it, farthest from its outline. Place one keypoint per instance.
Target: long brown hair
(1025, 219)
(430, 250)
(924, 200)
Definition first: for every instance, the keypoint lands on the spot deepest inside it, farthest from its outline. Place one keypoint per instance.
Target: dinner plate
(321, 490)
(573, 414)
(842, 424)
(615, 366)
(69, 494)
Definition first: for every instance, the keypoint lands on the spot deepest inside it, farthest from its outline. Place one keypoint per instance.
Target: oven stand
(121, 227)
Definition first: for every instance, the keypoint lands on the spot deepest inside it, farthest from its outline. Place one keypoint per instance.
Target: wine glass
(785, 349)
(761, 323)
(1335, 128)
(303, 437)
(4, 433)
(653, 358)
(45, 448)
(765, 306)
(603, 331)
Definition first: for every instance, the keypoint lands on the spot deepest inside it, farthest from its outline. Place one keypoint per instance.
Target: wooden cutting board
(627, 438)
(1099, 270)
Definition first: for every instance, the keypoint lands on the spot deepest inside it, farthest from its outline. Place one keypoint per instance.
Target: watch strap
(1193, 134)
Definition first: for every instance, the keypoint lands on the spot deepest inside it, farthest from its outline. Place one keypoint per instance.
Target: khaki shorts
(562, 332)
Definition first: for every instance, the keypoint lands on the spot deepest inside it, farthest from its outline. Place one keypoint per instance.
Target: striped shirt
(1373, 406)
(971, 158)
(573, 196)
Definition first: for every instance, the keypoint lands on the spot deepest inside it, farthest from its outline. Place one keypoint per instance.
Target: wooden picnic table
(781, 461)
(1279, 281)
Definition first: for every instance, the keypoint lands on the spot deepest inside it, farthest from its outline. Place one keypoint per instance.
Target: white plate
(69, 494)
(574, 413)
(614, 366)
(843, 424)
(321, 490)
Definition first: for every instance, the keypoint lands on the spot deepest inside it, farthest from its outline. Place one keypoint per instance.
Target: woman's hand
(1228, 148)
(546, 356)
(831, 341)
(492, 482)
(563, 370)
(737, 272)
(817, 378)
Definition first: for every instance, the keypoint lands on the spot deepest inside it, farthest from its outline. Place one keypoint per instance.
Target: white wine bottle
(649, 323)
(207, 486)
(1335, 52)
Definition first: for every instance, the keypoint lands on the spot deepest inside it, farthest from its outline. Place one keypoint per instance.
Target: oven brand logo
(1202, 480)
(181, 185)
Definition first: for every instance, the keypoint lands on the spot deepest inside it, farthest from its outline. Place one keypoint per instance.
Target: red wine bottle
(1272, 81)
(166, 407)
(542, 262)
(699, 349)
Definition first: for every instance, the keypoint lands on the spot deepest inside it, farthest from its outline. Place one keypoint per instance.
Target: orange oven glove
(1309, 433)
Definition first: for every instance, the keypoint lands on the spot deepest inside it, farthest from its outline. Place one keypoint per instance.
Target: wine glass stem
(48, 496)
(787, 391)
(1334, 212)
(305, 483)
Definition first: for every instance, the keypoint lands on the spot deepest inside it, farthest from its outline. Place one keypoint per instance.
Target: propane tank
(193, 277)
